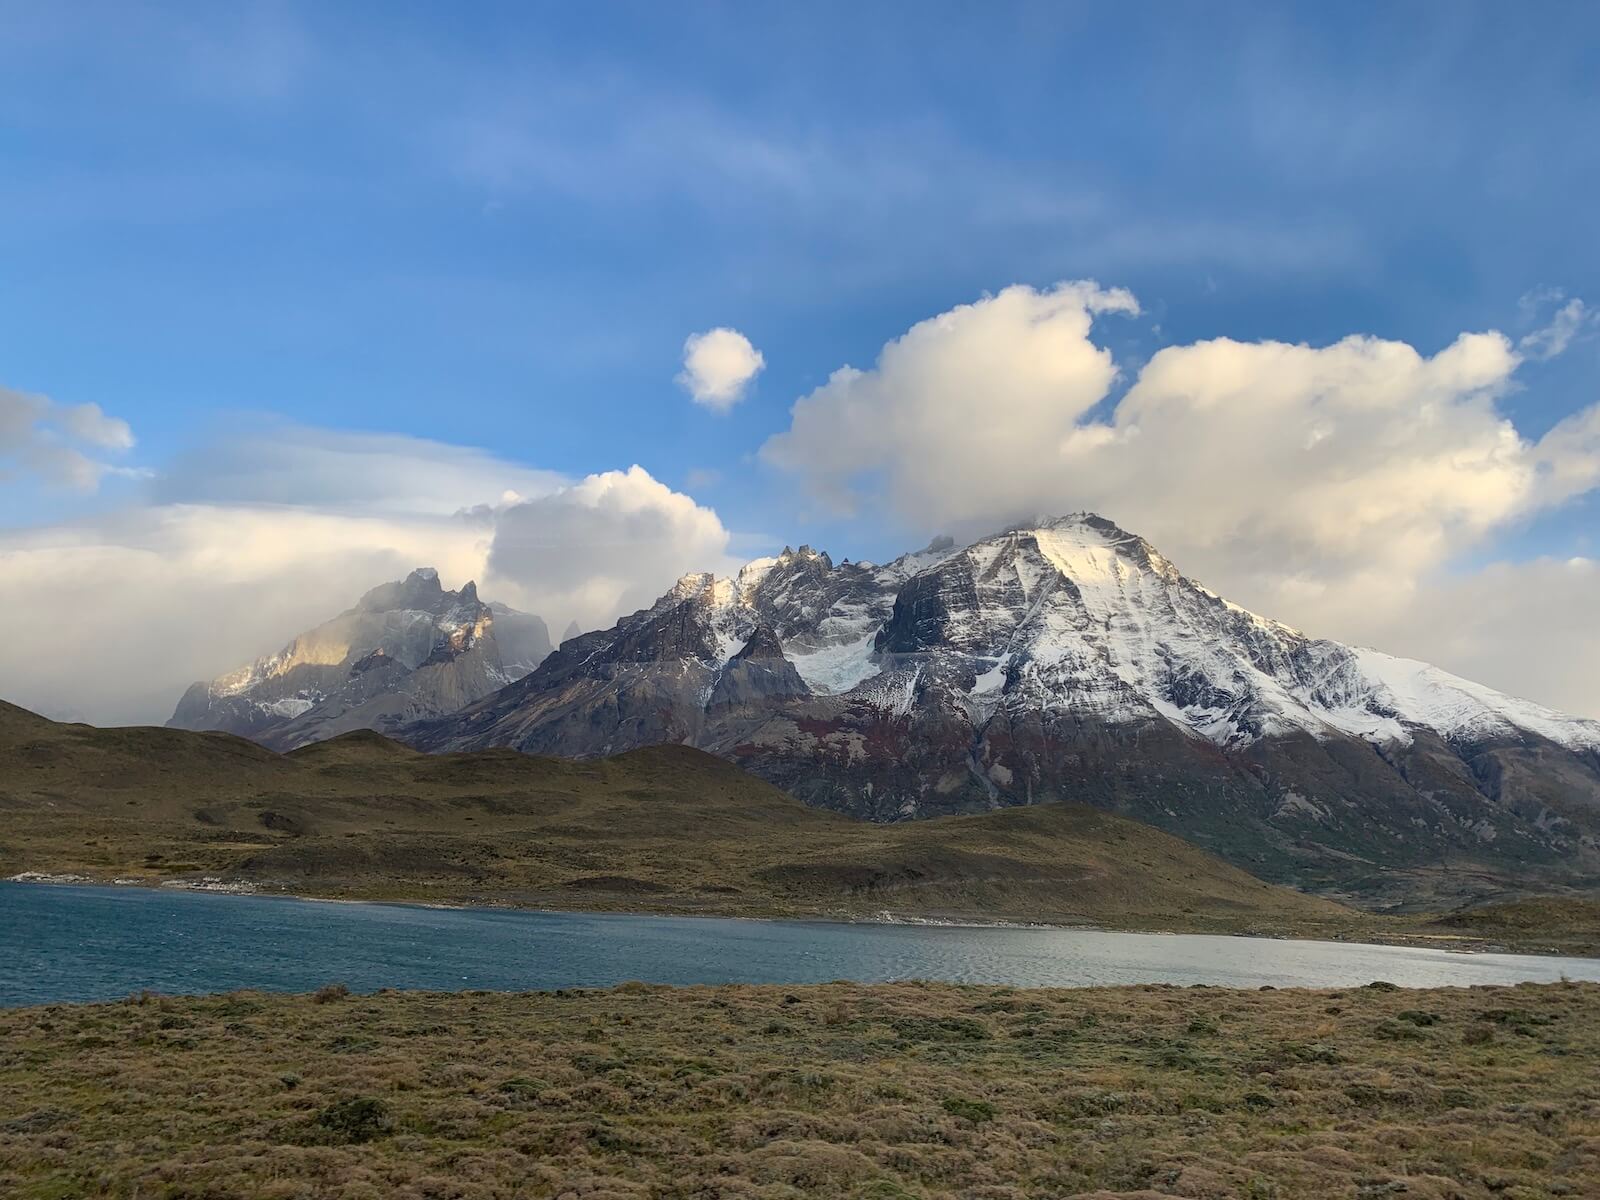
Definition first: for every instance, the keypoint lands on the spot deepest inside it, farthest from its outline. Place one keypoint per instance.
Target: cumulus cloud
(718, 366)
(59, 443)
(1317, 484)
(283, 529)
(608, 544)
(968, 398)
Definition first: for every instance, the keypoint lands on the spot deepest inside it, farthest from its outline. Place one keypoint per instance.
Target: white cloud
(959, 414)
(246, 544)
(88, 423)
(1527, 628)
(346, 472)
(609, 544)
(718, 366)
(51, 440)
(126, 611)
(1571, 320)
(1325, 486)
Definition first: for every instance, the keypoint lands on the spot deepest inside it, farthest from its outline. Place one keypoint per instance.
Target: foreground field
(879, 1093)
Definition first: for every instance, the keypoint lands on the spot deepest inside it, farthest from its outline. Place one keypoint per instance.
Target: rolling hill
(665, 828)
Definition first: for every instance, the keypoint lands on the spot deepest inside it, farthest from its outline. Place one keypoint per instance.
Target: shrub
(357, 1119)
(976, 1111)
(1394, 1031)
(329, 992)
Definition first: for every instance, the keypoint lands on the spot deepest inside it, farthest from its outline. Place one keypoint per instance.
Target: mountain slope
(1069, 660)
(406, 651)
(664, 828)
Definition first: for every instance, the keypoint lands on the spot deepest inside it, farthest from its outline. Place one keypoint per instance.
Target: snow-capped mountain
(408, 650)
(1069, 659)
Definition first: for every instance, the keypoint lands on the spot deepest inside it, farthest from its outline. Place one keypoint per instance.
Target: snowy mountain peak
(1074, 614)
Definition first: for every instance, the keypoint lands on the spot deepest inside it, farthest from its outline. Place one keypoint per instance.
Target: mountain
(1069, 660)
(408, 650)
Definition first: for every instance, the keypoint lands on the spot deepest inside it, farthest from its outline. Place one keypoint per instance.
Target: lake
(61, 942)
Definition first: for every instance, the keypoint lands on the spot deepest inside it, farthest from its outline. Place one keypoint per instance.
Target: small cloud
(89, 423)
(718, 366)
(46, 439)
(702, 477)
(1571, 320)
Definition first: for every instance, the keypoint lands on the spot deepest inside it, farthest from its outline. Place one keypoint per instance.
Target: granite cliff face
(1069, 660)
(407, 651)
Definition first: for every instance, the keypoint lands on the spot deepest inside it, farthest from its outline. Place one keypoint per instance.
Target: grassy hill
(667, 828)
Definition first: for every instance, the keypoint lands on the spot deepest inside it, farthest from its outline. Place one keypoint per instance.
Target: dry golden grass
(876, 1093)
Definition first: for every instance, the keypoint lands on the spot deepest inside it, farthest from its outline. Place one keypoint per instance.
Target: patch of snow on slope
(751, 574)
(993, 679)
(1454, 707)
(836, 668)
(291, 706)
(916, 562)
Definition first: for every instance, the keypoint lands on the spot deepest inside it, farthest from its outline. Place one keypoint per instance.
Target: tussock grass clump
(755, 1093)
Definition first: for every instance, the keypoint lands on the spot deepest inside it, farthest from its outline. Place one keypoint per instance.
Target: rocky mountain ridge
(408, 650)
(1069, 660)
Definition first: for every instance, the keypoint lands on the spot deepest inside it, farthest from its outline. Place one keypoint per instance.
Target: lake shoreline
(1448, 943)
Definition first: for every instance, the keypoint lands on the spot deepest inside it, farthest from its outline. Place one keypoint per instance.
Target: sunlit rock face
(1067, 659)
(408, 650)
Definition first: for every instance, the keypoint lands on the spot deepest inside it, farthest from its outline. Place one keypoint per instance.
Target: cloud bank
(242, 546)
(718, 366)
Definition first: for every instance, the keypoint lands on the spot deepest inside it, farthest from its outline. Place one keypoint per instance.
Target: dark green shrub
(976, 1111)
(358, 1119)
(1418, 1017)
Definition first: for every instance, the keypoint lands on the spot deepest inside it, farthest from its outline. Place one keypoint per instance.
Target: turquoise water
(96, 943)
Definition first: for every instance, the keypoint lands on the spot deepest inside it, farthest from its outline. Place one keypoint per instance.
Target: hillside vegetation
(666, 828)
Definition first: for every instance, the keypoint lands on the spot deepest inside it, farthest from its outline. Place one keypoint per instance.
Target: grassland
(666, 829)
(876, 1093)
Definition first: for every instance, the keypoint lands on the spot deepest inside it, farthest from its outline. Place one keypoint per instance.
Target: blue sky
(494, 226)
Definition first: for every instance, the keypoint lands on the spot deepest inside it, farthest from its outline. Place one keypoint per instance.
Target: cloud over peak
(281, 529)
(1325, 485)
